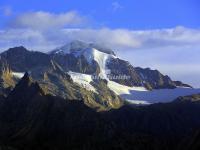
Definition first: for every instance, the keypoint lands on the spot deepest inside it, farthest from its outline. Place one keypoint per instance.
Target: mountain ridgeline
(51, 71)
(49, 101)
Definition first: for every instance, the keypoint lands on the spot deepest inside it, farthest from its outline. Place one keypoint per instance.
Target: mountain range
(83, 97)
(89, 72)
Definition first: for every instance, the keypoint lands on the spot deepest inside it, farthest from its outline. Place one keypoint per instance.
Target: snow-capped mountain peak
(93, 54)
(84, 61)
(78, 46)
(90, 51)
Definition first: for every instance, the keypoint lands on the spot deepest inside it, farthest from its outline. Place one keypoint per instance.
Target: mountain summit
(78, 46)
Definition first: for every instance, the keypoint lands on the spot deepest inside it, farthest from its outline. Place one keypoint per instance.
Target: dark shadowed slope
(31, 120)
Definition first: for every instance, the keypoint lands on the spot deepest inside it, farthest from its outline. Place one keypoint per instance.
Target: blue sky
(161, 34)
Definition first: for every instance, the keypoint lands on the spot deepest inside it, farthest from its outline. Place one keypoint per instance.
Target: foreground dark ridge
(31, 120)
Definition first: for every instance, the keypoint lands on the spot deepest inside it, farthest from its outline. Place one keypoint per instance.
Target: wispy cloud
(130, 39)
(41, 20)
(119, 39)
(6, 10)
(59, 29)
(116, 6)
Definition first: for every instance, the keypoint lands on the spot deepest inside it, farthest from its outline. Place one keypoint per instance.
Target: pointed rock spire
(26, 87)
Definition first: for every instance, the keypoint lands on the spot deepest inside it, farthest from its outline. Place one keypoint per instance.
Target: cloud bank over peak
(133, 39)
(119, 39)
(42, 20)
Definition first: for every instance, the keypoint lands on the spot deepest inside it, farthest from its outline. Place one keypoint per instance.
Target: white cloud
(44, 20)
(116, 39)
(32, 39)
(122, 39)
(116, 6)
(119, 39)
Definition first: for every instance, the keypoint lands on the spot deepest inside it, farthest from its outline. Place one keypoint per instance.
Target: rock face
(121, 67)
(151, 79)
(22, 60)
(30, 119)
(154, 79)
(71, 63)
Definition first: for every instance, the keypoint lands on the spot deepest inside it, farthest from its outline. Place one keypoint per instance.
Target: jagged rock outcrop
(22, 60)
(76, 64)
(153, 79)
(160, 87)
(7, 81)
(136, 76)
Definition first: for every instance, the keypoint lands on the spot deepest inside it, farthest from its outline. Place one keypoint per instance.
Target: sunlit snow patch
(161, 95)
(82, 80)
(100, 57)
(91, 54)
(138, 102)
(18, 74)
(122, 89)
(139, 95)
